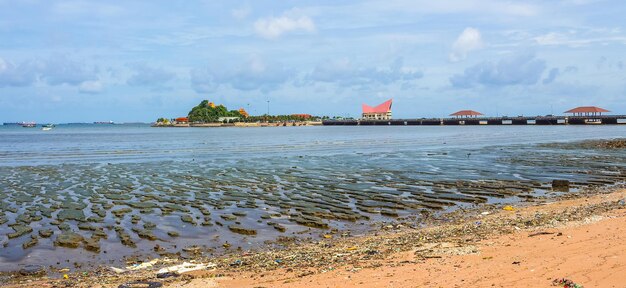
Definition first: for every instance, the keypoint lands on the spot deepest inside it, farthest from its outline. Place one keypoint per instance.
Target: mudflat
(581, 240)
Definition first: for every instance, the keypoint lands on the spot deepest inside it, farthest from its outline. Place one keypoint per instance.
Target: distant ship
(11, 123)
(28, 124)
(103, 122)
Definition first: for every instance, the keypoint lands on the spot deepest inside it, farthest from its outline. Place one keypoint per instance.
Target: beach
(589, 251)
(306, 144)
(121, 203)
(579, 239)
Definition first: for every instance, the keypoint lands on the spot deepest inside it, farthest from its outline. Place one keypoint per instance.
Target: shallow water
(303, 179)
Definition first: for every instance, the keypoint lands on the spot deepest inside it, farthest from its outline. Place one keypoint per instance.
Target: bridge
(536, 120)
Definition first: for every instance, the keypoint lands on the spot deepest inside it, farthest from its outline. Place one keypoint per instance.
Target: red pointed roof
(382, 108)
(587, 109)
(466, 113)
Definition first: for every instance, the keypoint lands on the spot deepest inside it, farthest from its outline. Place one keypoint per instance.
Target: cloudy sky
(73, 60)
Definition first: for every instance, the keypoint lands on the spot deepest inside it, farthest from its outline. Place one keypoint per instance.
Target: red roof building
(466, 114)
(587, 111)
(303, 116)
(380, 112)
(182, 119)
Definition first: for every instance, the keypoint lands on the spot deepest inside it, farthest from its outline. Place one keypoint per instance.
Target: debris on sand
(141, 266)
(565, 283)
(143, 284)
(186, 267)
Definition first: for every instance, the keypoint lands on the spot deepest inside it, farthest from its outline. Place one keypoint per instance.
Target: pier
(536, 120)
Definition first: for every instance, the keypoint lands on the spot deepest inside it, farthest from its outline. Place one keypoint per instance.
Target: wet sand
(581, 239)
(93, 214)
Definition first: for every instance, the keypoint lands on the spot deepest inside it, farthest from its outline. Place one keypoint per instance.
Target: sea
(128, 188)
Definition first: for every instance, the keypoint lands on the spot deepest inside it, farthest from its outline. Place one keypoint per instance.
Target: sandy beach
(590, 252)
(580, 239)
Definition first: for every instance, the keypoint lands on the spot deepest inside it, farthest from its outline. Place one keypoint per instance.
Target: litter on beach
(508, 208)
(186, 267)
(141, 266)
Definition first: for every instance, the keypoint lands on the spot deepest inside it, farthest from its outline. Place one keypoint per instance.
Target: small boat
(47, 127)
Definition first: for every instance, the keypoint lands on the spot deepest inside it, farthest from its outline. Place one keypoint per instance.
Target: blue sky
(73, 60)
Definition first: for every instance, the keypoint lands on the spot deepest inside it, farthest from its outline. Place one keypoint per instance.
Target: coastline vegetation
(209, 112)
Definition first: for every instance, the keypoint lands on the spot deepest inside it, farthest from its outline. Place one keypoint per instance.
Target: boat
(47, 127)
(28, 124)
(104, 122)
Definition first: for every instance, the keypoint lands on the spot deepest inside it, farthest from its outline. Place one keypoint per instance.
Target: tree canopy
(207, 112)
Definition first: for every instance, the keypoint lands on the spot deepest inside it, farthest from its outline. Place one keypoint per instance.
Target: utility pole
(268, 107)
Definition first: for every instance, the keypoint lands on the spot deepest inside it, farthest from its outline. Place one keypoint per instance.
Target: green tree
(206, 113)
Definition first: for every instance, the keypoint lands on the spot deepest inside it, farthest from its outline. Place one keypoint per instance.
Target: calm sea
(138, 143)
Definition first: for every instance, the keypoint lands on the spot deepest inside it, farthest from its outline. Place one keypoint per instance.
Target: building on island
(227, 119)
(466, 114)
(303, 116)
(380, 112)
(587, 111)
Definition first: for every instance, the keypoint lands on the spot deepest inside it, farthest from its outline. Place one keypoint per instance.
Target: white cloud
(274, 27)
(574, 40)
(241, 13)
(18, 75)
(346, 73)
(90, 87)
(494, 7)
(3, 65)
(578, 2)
(146, 75)
(469, 40)
(521, 69)
(253, 74)
(59, 70)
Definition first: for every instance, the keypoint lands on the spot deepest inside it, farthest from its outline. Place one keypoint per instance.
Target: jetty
(537, 120)
(586, 115)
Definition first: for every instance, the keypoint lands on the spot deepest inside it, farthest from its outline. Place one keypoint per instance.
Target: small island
(208, 114)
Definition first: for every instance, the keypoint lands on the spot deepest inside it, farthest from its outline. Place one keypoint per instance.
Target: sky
(125, 61)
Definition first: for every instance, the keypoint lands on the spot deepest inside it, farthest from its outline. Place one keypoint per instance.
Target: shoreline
(238, 124)
(464, 233)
